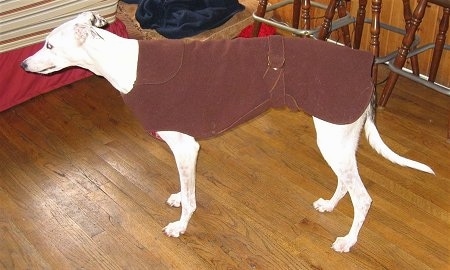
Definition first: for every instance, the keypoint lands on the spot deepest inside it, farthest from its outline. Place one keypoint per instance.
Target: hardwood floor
(82, 186)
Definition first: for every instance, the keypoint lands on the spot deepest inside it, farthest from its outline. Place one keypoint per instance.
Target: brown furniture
(407, 50)
(301, 10)
(375, 27)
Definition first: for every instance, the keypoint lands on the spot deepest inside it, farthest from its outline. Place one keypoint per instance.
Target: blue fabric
(184, 18)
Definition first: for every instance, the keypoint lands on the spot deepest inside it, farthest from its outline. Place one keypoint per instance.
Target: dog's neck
(114, 58)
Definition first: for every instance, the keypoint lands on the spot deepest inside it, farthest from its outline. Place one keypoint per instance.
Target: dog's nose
(24, 65)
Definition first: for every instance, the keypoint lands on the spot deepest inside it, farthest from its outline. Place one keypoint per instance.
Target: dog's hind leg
(338, 144)
(185, 150)
(335, 146)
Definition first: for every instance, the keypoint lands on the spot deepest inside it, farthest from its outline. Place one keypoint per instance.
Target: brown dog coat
(205, 88)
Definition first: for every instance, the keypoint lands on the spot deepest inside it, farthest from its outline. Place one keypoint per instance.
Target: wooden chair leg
(342, 12)
(296, 13)
(324, 30)
(359, 23)
(407, 15)
(439, 45)
(375, 35)
(402, 54)
(260, 11)
(306, 18)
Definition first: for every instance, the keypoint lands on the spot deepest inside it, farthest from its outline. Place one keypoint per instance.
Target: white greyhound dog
(80, 42)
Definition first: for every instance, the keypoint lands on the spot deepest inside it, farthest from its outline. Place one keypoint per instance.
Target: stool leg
(407, 15)
(400, 59)
(375, 35)
(342, 12)
(296, 13)
(359, 24)
(439, 45)
(260, 12)
(306, 18)
(325, 27)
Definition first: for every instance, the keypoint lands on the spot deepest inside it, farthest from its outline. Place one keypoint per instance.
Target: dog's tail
(373, 136)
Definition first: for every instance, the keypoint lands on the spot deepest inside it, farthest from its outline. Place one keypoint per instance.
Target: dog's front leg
(185, 150)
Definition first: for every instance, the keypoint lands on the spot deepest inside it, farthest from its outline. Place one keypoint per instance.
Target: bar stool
(375, 28)
(406, 51)
(344, 19)
(303, 7)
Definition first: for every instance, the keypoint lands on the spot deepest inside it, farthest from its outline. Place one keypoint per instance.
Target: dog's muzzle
(24, 65)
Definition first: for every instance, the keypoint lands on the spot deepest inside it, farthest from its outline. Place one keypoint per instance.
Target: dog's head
(63, 47)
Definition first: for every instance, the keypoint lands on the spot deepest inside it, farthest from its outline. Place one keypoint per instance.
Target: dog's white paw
(174, 200)
(343, 244)
(322, 205)
(174, 229)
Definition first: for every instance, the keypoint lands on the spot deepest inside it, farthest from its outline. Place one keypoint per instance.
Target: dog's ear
(92, 18)
(83, 31)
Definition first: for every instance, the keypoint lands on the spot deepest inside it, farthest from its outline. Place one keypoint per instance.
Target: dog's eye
(49, 46)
